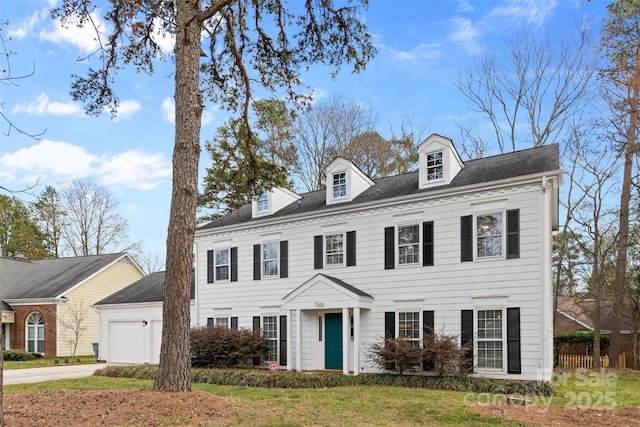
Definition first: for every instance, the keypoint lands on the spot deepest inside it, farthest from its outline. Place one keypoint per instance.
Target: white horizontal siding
(447, 287)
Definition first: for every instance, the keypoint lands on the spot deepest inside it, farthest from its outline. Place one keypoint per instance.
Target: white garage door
(126, 342)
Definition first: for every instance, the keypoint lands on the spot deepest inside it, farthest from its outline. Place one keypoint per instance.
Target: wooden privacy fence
(581, 361)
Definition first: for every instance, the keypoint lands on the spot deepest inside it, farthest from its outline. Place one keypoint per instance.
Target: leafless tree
(620, 45)
(73, 320)
(537, 83)
(323, 132)
(93, 224)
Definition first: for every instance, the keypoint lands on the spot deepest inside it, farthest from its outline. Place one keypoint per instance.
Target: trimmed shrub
(220, 347)
(290, 379)
(18, 355)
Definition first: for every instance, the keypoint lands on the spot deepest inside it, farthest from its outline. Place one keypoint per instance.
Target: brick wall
(18, 328)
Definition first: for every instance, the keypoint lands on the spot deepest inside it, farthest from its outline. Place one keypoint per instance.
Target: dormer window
(434, 166)
(339, 185)
(263, 202)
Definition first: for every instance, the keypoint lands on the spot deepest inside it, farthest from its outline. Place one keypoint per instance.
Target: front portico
(328, 305)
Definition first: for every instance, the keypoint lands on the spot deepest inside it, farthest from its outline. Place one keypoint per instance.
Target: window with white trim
(334, 249)
(409, 327)
(489, 235)
(35, 333)
(263, 202)
(222, 322)
(408, 244)
(222, 264)
(270, 328)
(490, 339)
(434, 166)
(339, 185)
(270, 259)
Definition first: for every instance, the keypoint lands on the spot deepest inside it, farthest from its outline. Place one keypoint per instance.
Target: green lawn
(41, 363)
(375, 405)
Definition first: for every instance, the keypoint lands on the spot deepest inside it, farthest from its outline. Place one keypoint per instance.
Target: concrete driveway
(34, 375)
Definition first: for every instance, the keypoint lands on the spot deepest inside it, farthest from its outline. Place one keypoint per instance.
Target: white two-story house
(457, 247)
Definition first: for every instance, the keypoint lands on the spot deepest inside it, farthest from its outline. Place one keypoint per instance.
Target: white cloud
(135, 169)
(465, 34)
(42, 106)
(533, 11)
(164, 40)
(25, 27)
(419, 53)
(52, 161)
(85, 37)
(464, 7)
(168, 110)
(126, 109)
(46, 159)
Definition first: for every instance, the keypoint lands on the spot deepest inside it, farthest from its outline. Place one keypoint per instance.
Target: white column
(345, 340)
(298, 341)
(289, 366)
(356, 340)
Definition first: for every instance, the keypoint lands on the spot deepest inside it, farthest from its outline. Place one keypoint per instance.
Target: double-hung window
(339, 185)
(222, 264)
(409, 327)
(270, 259)
(408, 244)
(222, 322)
(490, 339)
(35, 333)
(263, 202)
(434, 166)
(334, 249)
(270, 329)
(489, 235)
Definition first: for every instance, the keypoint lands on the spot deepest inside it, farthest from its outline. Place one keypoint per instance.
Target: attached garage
(126, 342)
(131, 322)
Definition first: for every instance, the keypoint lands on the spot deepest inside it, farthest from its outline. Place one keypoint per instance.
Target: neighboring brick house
(457, 247)
(39, 297)
(576, 314)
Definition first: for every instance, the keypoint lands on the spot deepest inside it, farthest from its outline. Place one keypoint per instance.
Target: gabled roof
(148, 289)
(581, 310)
(495, 168)
(49, 278)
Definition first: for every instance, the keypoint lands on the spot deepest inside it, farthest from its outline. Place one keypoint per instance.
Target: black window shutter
(234, 264)
(209, 322)
(513, 340)
(351, 248)
(428, 333)
(283, 340)
(256, 262)
(389, 332)
(284, 261)
(389, 247)
(256, 329)
(390, 324)
(466, 238)
(466, 335)
(427, 243)
(209, 266)
(513, 234)
(234, 322)
(317, 252)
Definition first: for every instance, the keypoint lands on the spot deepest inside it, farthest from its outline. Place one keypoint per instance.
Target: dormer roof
(276, 199)
(345, 181)
(438, 161)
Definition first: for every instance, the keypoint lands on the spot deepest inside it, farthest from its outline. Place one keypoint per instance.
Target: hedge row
(290, 379)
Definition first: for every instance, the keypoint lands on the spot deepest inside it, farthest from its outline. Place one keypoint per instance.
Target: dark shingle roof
(48, 278)
(148, 289)
(347, 286)
(511, 165)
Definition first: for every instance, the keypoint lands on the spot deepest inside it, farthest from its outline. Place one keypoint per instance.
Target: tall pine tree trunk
(173, 372)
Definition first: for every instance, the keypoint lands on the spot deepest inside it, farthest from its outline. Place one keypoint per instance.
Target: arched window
(35, 333)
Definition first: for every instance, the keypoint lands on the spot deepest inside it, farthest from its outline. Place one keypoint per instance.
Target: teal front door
(333, 341)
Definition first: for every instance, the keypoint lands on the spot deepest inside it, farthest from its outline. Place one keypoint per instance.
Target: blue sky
(422, 46)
